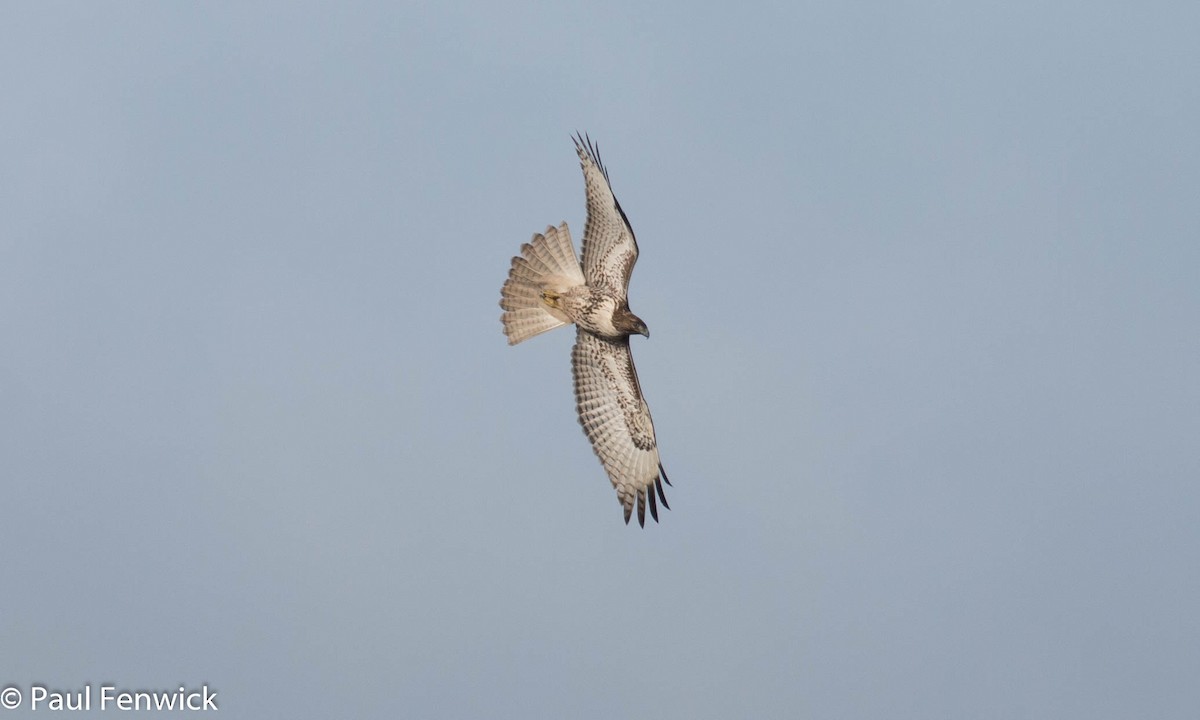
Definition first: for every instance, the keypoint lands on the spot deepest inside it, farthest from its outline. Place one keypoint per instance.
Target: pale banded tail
(547, 262)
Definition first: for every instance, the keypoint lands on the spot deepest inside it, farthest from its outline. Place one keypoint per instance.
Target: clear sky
(923, 284)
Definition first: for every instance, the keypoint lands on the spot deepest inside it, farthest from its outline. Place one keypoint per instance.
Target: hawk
(547, 287)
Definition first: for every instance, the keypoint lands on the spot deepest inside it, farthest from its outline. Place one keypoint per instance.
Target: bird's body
(548, 287)
(595, 310)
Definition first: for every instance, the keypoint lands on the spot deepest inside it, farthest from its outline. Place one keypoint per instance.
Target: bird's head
(627, 322)
(637, 326)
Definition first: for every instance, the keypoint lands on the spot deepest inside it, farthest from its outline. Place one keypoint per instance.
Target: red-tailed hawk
(547, 288)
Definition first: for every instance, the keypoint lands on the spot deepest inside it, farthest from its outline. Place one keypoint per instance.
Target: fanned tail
(547, 264)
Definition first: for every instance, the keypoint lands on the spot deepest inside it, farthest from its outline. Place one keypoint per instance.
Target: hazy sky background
(923, 281)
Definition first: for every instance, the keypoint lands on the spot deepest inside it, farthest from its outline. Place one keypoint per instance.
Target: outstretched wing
(617, 421)
(609, 247)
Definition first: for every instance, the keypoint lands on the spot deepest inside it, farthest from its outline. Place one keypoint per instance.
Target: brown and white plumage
(547, 288)
(609, 247)
(617, 421)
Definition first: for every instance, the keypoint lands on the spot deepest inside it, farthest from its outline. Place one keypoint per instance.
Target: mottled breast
(597, 315)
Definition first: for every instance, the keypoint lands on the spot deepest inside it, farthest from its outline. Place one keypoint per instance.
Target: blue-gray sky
(923, 281)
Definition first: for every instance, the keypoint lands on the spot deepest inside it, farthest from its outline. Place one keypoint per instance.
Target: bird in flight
(547, 287)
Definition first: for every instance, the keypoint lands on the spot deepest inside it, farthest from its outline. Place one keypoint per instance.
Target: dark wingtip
(661, 496)
(653, 507)
(641, 503)
(583, 143)
(664, 475)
